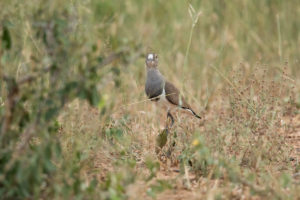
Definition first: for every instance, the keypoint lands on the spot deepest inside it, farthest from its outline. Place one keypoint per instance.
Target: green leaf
(101, 103)
(158, 187)
(162, 138)
(50, 113)
(153, 167)
(6, 38)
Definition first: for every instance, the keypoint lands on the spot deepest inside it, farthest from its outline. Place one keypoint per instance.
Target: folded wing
(174, 97)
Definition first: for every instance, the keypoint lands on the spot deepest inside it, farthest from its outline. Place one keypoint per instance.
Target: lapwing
(160, 90)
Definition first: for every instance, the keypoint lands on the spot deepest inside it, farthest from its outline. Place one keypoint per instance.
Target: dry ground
(142, 123)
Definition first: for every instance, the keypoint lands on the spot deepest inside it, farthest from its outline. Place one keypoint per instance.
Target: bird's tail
(196, 115)
(193, 112)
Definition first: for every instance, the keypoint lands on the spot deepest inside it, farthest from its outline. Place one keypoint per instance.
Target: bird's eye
(156, 57)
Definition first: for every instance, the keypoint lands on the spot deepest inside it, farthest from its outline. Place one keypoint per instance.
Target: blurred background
(72, 102)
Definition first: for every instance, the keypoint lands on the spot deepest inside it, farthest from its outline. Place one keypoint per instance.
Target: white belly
(163, 102)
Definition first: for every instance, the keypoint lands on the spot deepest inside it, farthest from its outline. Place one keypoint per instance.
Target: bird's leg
(169, 115)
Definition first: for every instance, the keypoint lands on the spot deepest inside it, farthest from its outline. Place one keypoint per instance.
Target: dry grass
(239, 149)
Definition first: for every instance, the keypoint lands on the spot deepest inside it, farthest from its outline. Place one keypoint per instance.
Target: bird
(158, 89)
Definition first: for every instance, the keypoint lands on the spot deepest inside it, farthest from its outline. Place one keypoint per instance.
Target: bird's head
(151, 60)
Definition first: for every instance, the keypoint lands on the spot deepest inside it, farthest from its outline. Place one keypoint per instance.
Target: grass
(237, 64)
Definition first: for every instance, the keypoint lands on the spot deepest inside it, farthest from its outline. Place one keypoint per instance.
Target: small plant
(246, 137)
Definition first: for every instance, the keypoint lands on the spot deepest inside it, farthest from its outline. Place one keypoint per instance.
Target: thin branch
(138, 102)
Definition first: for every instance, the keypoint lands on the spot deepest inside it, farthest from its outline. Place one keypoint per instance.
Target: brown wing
(174, 97)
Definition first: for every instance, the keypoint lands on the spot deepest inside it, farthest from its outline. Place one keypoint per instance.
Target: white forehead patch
(150, 56)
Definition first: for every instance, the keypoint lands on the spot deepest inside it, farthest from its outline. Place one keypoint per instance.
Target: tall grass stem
(279, 38)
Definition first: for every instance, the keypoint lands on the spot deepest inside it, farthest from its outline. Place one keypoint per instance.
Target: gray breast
(154, 84)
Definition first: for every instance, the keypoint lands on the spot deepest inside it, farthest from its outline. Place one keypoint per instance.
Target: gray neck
(155, 82)
(152, 69)
(154, 74)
